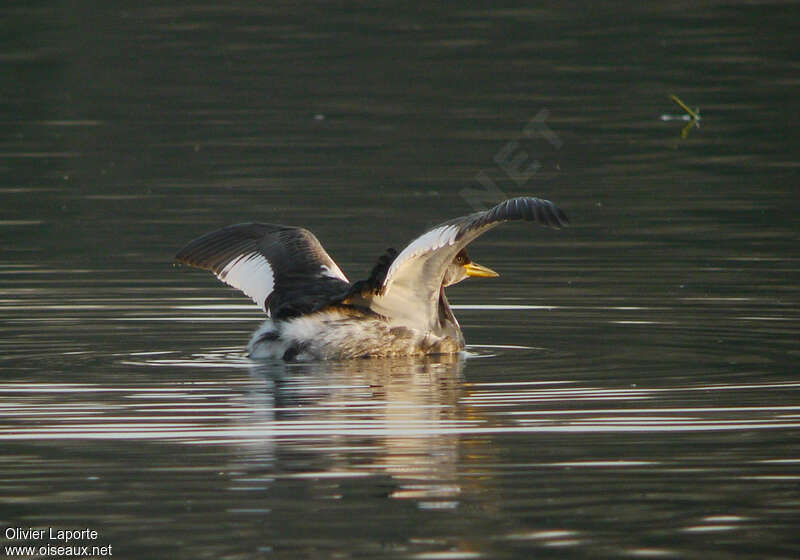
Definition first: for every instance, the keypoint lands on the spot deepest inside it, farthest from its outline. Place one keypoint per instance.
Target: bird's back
(340, 332)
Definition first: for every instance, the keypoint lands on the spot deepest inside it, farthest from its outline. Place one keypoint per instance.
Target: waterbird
(316, 313)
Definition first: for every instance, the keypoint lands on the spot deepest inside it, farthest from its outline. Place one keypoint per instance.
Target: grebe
(317, 314)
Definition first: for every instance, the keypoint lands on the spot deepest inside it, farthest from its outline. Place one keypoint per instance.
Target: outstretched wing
(409, 292)
(283, 269)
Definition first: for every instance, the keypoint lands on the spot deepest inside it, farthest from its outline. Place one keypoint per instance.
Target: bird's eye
(460, 259)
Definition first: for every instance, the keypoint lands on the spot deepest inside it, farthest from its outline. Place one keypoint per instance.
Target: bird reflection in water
(371, 417)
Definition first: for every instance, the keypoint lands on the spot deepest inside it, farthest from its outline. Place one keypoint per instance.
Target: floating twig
(692, 116)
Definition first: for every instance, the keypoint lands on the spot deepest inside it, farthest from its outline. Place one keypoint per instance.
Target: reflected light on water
(362, 399)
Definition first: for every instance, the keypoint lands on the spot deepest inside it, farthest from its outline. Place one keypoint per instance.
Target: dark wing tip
(213, 250)
(184, 256)
(527, 208)
(532, 209)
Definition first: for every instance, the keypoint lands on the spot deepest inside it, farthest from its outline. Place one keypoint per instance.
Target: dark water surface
(631, 386)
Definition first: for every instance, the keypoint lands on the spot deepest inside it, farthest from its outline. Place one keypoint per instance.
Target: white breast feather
(252, 274)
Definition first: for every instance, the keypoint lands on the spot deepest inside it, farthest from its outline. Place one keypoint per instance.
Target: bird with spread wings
(317, 313)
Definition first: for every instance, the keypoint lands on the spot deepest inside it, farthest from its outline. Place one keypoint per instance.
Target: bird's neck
(448, 323)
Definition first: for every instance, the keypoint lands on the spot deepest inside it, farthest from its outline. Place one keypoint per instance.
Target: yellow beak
(478, 271)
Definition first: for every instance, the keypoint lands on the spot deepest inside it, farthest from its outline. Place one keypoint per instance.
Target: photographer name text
(56, 542)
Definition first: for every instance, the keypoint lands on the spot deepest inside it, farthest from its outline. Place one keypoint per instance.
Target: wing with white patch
(409, 292)
(285, 270)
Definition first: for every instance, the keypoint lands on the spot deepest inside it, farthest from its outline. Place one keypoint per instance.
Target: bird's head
(462, 267)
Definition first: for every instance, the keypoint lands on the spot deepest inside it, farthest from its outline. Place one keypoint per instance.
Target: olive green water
(631, 385)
